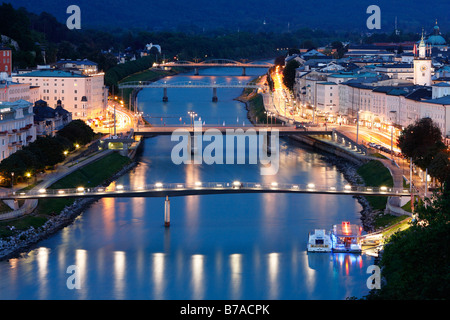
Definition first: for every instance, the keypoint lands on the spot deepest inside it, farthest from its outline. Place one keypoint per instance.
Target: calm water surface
(250, 246)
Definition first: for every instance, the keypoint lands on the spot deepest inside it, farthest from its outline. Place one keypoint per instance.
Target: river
(249, 246)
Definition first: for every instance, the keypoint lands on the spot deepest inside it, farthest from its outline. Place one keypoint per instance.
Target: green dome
(436, 40)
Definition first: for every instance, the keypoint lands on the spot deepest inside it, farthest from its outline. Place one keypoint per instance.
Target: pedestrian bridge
(282, 131)
(198, 188)
(201, 188)
(188, 84)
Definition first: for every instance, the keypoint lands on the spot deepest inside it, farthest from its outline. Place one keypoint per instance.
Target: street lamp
(357, 126)
(192, 115)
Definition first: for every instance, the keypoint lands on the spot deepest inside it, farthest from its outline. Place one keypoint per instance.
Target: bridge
(188, 84)
(215, 63)
(283, 131)
(197, 188)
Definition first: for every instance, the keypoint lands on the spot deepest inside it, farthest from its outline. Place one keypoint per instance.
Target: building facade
(5, 60)
(16, 126)
(85, 96)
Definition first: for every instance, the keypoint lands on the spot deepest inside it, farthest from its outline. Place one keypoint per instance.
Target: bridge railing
(189, 84)
(255, 186)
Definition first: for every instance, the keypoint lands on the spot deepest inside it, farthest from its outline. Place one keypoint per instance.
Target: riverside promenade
(396, 170)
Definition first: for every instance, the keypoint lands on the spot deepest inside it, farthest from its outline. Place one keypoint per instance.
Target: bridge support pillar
(214, 98)
(267, 145)
(196, 73)
(244, 72)
(165, 98)
(167, 212)
(193, 145)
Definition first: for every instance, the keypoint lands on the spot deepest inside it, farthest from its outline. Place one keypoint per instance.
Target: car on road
(300, 126)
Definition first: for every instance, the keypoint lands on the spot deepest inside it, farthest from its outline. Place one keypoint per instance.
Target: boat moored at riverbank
(346, 238)
(319, 241)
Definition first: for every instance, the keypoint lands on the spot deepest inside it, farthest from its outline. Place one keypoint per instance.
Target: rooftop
(52, 74)
(19, 104)
(443, 101)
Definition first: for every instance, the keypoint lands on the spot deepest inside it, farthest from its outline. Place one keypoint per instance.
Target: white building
(16, 126)
(85, 96)
(328, 98)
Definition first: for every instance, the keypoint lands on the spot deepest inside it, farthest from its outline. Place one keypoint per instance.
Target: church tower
(422, 64)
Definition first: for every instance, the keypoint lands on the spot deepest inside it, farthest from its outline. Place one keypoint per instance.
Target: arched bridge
(215, 63)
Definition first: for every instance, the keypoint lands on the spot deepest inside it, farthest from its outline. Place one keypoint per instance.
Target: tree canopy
(46, 151)
(421, 141)
(289, 73)
(415, 263)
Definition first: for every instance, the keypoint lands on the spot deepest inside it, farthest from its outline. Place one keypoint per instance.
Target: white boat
(319, 241)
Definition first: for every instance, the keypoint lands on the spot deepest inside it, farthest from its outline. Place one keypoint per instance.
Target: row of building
(43, 100)
(379, 91)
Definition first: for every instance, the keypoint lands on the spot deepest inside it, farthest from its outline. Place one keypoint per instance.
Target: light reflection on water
(218, 246)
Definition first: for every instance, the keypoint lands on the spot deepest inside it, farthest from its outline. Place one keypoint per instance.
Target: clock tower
(422, 65)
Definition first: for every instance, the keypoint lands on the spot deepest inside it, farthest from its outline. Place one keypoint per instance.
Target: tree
(77, 132)
(289, 73)
(421, 141)
(279, 61)
(415, 263)
(440, 166)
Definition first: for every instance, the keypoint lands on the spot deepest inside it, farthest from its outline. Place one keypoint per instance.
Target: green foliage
(94, 173)
(121, 71)
(279, 61)
(46, 151)
(440, 166)
(375, 174)
(76, 132)
(289, 74)
(421, 141)
(416, 262)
